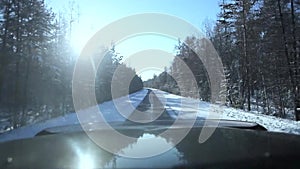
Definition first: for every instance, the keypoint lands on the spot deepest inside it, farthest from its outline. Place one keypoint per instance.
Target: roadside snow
(206, 110)
(108, 109)
(271, 123)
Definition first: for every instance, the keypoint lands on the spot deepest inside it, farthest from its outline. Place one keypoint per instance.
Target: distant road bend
(150, 109)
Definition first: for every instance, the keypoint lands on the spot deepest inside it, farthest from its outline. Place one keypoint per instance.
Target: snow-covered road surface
(175, 107)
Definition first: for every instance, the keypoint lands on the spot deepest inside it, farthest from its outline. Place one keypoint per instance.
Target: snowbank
(271, 123)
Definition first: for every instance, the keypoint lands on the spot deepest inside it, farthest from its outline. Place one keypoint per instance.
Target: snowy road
(150, 109)
(151, 104)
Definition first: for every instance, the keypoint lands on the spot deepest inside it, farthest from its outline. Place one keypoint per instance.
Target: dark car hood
(226, 148)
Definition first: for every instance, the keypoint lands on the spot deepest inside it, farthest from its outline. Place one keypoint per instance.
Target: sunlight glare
(86, 162)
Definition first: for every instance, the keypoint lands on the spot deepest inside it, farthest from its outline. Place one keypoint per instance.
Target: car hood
(227, 148)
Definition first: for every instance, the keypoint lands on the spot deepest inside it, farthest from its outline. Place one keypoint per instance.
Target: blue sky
(95, 14)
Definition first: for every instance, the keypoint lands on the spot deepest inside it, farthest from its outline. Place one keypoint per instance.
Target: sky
(93, 15)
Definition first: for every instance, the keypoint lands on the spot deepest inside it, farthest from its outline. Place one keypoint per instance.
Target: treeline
(259, 44)
(258, 41)
(37, 62)
(114, 79)
(163, 82)
(188, 68)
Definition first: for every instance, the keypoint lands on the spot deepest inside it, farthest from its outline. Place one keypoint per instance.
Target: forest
(258, 42)
(37, 62)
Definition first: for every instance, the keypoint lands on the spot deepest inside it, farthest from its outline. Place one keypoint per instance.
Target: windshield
(101, 64)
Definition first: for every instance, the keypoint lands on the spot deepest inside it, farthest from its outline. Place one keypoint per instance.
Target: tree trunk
(295, 65)
(245, 52)
(3, 55)
(25, 88)
(290, 66)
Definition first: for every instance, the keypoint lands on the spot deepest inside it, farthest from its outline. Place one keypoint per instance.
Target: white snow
(207, 110)
(176, 106)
